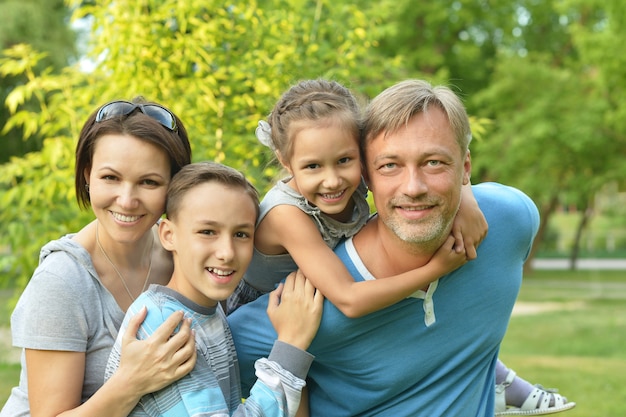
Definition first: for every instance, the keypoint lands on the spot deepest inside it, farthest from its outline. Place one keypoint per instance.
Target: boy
(211, 215)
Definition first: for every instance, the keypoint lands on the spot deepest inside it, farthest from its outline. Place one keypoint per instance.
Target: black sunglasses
(123, 108)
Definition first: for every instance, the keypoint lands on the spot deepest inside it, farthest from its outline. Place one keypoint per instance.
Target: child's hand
(470, 226)
(447, 259)
(295, 310)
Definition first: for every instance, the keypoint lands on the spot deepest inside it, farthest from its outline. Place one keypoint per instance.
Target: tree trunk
(545, 213)
(582, 225)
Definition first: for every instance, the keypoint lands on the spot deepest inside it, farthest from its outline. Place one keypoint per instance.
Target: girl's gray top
(266, 271)
(64, 307)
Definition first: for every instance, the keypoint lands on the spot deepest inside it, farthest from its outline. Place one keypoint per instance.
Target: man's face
(415, 175)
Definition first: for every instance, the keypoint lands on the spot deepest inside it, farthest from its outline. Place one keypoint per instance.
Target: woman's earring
(87, 187)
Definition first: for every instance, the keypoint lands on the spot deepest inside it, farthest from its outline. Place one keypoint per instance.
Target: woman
(67, 318)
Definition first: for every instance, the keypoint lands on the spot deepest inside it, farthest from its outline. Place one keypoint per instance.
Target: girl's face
(128, 183)
(326, 168)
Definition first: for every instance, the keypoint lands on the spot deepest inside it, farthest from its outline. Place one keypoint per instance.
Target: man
(433, 354)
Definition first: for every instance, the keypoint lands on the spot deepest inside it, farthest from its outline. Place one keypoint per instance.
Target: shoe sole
(537, 412)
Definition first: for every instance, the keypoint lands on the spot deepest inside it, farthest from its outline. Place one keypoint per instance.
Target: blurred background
(543, 81)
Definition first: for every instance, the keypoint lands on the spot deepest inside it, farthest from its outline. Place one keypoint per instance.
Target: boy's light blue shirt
(212, 388)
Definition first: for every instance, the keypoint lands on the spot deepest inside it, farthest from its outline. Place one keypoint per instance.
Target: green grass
(9, 377)
(9, 370)
(572, 276)
(577, 348)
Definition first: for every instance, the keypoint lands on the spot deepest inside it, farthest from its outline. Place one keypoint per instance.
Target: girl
(314, 132)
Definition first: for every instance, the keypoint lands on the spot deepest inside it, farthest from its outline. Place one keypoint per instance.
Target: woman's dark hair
(175, 143)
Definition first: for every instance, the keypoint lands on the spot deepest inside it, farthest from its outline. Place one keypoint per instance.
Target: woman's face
(128, 183)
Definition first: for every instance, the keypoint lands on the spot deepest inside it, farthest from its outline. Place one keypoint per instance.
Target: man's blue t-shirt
(420, 357)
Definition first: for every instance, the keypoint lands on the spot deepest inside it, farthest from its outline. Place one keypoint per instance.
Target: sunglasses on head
(123, 108)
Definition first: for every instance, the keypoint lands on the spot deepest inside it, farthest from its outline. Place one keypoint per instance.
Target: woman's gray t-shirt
(64, 307)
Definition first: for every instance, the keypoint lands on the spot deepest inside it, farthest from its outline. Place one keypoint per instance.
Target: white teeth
(336, 195)
(414, 208)
(124, 218)
(220, 272)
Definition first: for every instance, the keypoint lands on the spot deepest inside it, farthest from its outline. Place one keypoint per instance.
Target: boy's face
(211, 240)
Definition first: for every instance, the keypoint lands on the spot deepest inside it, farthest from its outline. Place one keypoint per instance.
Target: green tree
(560, 134)
(42, 24)
(542, 141)
(547, 76)
(598, 32)
(220, 67)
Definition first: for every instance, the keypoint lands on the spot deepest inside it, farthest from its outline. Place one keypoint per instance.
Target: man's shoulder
(500, 194)
(494, 187)
(506, 204)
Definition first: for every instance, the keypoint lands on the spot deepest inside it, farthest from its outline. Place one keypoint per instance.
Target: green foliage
(220, 67)
(541, 71)
(598, 32)
(43, 25)
(540, 130)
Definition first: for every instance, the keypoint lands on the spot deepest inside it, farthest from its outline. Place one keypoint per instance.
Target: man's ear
(166, 234)
(467, 168)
